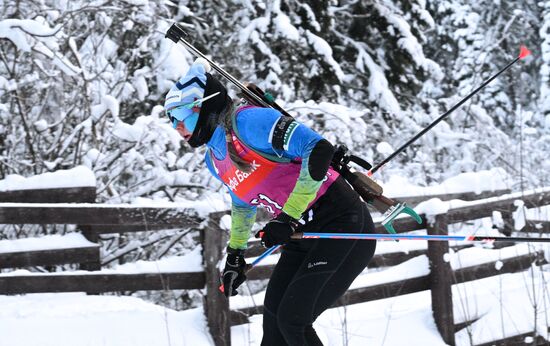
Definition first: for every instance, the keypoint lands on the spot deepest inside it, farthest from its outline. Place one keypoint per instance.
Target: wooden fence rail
(98, 282)
(90, 214)
(464, 196)
(18, 259)
(99, 219)
(82, 194)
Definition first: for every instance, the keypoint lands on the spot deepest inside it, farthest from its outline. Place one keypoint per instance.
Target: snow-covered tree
(74, 76)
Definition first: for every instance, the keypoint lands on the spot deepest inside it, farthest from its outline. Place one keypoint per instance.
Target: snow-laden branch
(29, 35)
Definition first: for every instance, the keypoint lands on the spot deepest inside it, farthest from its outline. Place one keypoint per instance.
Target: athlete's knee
(292, 326)
(272, 335)
(283, 321)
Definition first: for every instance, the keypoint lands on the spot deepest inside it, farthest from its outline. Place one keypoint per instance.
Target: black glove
(278, 230)
(234, 271)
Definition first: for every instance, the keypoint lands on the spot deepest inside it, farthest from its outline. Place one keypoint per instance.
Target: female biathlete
(269, 160)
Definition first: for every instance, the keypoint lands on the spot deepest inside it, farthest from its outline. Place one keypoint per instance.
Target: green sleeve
(242, 220)
(303, 193)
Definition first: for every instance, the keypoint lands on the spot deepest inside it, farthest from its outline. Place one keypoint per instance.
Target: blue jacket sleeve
(256, 127)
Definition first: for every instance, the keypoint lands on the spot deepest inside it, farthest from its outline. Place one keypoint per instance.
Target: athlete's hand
(234, 272)
(278, 230)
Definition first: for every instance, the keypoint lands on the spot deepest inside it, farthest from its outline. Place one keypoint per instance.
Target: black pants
(313, 273)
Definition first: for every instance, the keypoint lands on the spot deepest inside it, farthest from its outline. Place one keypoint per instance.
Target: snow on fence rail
(126, 218)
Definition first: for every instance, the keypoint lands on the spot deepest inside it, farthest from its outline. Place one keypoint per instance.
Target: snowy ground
(406, 320)
(504, 306)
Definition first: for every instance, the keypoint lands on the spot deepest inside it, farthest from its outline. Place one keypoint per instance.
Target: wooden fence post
(441, 281)
(216, 305)
(90, 235)
(88, 232)
(508, 226)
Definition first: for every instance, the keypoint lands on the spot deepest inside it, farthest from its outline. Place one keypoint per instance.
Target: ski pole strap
(394, 211)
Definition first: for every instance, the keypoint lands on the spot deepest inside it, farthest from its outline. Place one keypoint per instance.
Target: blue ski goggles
(185, 115)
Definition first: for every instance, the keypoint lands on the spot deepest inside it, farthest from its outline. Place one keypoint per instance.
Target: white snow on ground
(407, 320)
(504, 304)
(75, 319)
(80, 320)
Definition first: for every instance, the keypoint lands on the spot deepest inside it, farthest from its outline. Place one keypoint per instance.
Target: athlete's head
(195, 102)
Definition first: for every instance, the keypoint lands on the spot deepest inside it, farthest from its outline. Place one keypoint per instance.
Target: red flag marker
(524, 52)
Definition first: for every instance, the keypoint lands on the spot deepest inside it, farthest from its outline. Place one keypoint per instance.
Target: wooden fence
(94, 220)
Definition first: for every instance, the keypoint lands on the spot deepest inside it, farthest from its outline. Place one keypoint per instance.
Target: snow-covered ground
(74, 319)
(503, 304)
(75, 90)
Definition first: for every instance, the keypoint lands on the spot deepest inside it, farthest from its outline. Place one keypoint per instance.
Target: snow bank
(478, 182)
(49, 242)
(76, 177)
(503, 306)
(79, 320)
(190, 262)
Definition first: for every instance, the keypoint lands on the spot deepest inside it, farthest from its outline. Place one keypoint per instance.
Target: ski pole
(524, 52)
(257, 260)
(376, 236)
(264, 255)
